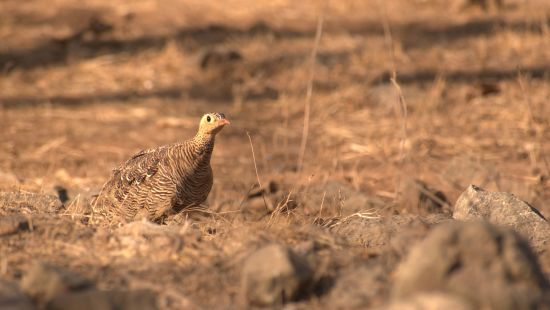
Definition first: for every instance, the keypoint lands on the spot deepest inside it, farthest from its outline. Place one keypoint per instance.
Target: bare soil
(83, 87)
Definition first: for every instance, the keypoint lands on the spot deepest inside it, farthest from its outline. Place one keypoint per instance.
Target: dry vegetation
(82, 87)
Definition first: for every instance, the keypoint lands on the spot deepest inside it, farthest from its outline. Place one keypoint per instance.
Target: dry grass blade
(322, 203)
(335, 221)
(388, 37)
(401, 103)
(256, 170)
(403, 109)
(279, 209)
(307, 104)
(204, 209)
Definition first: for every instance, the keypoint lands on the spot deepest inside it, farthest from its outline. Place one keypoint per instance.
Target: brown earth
(82, 87)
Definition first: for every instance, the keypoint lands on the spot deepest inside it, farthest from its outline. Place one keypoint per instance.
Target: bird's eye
(208, 118)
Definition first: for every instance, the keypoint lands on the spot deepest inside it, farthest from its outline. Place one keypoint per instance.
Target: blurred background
(403, 103)
(85, 85)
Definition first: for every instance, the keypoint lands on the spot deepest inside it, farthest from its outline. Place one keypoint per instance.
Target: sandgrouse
(158, 182)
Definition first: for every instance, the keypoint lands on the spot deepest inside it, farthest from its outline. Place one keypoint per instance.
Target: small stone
(275, 275)
(43, 282)
(504, 209)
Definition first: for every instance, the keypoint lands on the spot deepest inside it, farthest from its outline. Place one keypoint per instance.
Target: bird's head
(212, 123)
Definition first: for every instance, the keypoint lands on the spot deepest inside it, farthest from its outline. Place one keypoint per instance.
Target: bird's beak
(224, 122)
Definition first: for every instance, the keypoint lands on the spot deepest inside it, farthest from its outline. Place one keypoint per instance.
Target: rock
(12, 224)
(33, 202)
(359, 287)
(43, 282)
(273, 275)
(430, 301)
(11, 298)
(489, 266)
(94, 299)
(504, 209)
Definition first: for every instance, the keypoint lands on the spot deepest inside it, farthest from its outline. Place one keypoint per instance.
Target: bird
(159, 182)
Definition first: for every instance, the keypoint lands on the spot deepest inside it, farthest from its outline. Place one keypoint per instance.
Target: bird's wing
(129, 176)
(140, 166)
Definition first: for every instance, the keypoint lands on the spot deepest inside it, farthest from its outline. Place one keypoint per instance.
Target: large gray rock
(43, 282)
(11, 298)
(359, 287)
(489, 266)
(504, 209)
(274, 275)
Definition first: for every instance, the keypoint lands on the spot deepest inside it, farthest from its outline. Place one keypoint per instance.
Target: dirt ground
(85, 86)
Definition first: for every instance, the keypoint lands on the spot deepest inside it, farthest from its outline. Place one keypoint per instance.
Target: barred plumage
(159, 182)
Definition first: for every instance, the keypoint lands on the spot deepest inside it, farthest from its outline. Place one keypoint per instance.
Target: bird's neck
(203, 144)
